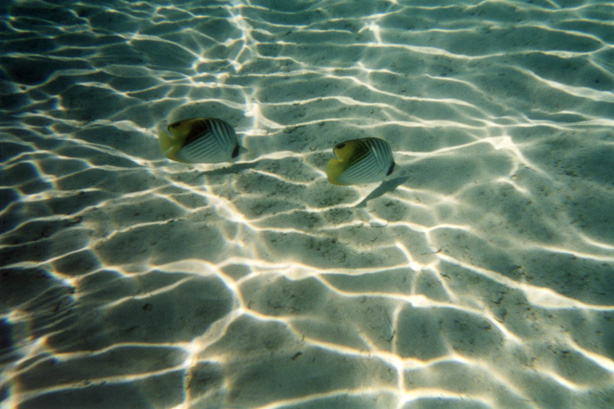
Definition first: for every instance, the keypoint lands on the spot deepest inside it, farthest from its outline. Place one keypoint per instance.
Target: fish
(359, 161)
(199, 140)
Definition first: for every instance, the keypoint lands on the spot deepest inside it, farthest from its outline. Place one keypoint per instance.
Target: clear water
(481, 275)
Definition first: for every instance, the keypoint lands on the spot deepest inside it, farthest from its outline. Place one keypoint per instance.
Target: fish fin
(236, 151)
(241, 150)
(391, 169)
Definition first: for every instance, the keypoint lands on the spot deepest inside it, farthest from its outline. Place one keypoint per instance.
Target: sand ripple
(479, 276)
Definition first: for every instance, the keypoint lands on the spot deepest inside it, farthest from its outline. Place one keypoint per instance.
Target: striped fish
(358, 161)
(199, 140)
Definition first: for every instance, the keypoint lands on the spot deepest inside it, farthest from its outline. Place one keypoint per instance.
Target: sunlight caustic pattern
(480, 274)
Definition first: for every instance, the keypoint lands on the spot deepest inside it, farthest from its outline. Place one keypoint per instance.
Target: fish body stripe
(209, 140)
(204, 149)
(219, 130)
(371, 161)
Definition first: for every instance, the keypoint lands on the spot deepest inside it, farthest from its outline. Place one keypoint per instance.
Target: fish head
(359, 161)
(345, 151)
(181, 129)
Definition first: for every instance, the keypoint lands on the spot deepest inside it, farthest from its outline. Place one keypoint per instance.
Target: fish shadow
(385, 187)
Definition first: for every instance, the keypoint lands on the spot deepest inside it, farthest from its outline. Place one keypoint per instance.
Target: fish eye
(340, 146)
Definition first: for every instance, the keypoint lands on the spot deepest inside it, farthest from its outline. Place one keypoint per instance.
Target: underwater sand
(479, 275)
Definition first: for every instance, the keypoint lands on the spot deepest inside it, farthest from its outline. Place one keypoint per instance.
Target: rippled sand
(480, 275)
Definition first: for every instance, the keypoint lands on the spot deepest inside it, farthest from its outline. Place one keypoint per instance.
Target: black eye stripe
(341, 145)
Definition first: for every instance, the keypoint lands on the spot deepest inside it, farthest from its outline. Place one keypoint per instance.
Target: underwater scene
(307, 204)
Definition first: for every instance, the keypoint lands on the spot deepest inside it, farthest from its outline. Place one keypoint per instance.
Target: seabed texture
(479, 275)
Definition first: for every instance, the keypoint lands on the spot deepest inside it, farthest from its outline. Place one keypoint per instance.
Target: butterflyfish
(358, 161)
(199, 140)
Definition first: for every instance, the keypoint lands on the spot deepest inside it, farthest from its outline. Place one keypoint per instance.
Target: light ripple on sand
(478, 276)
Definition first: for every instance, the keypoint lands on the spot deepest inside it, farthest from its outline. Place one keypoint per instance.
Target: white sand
(480, 275)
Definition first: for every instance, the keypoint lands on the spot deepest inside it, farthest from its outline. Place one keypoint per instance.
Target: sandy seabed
(480, 274)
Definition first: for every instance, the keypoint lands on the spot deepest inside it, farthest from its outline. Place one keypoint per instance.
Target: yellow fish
(365, 160)
(199, 140)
